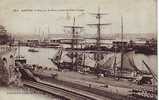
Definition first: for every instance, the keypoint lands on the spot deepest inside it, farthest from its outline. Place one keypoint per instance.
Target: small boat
(32, 50)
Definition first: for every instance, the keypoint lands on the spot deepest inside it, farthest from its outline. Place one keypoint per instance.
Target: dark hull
(32, 50)
(146, 50)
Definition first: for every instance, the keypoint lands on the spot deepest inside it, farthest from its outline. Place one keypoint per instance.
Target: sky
(139, 16)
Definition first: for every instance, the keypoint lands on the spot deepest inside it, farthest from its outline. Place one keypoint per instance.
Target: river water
(42, 58)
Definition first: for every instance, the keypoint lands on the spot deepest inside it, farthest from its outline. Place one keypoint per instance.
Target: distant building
(33, 42)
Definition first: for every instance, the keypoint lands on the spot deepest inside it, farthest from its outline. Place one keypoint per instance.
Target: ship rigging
(97, 61)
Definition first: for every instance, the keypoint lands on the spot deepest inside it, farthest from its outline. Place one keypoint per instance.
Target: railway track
(62, 92)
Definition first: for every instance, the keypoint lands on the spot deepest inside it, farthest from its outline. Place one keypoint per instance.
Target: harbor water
(42, 58)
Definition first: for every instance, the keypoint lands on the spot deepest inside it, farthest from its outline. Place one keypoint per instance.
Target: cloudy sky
(139, 15)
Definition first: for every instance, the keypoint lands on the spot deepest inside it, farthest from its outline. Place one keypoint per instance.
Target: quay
(79, 67)
(90, 85)
(64, 92)
(75, 85)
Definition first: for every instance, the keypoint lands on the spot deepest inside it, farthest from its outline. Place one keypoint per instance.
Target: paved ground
(104, 83)
(85, 93)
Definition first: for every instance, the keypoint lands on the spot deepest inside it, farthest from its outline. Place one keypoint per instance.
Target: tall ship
(115, 65)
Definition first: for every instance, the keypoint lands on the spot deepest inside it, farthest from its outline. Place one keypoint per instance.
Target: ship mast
(122, 47)
(74, 41)
(18, 49)
(98, 25)
(98, 38)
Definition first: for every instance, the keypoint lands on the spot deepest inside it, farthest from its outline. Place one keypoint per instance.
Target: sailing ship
(97, 61)
(116, 65)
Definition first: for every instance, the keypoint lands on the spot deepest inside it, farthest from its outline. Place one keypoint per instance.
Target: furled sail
(57, 56)
(65, 58)
(128, 62)
(107, 63)
(89, 60)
